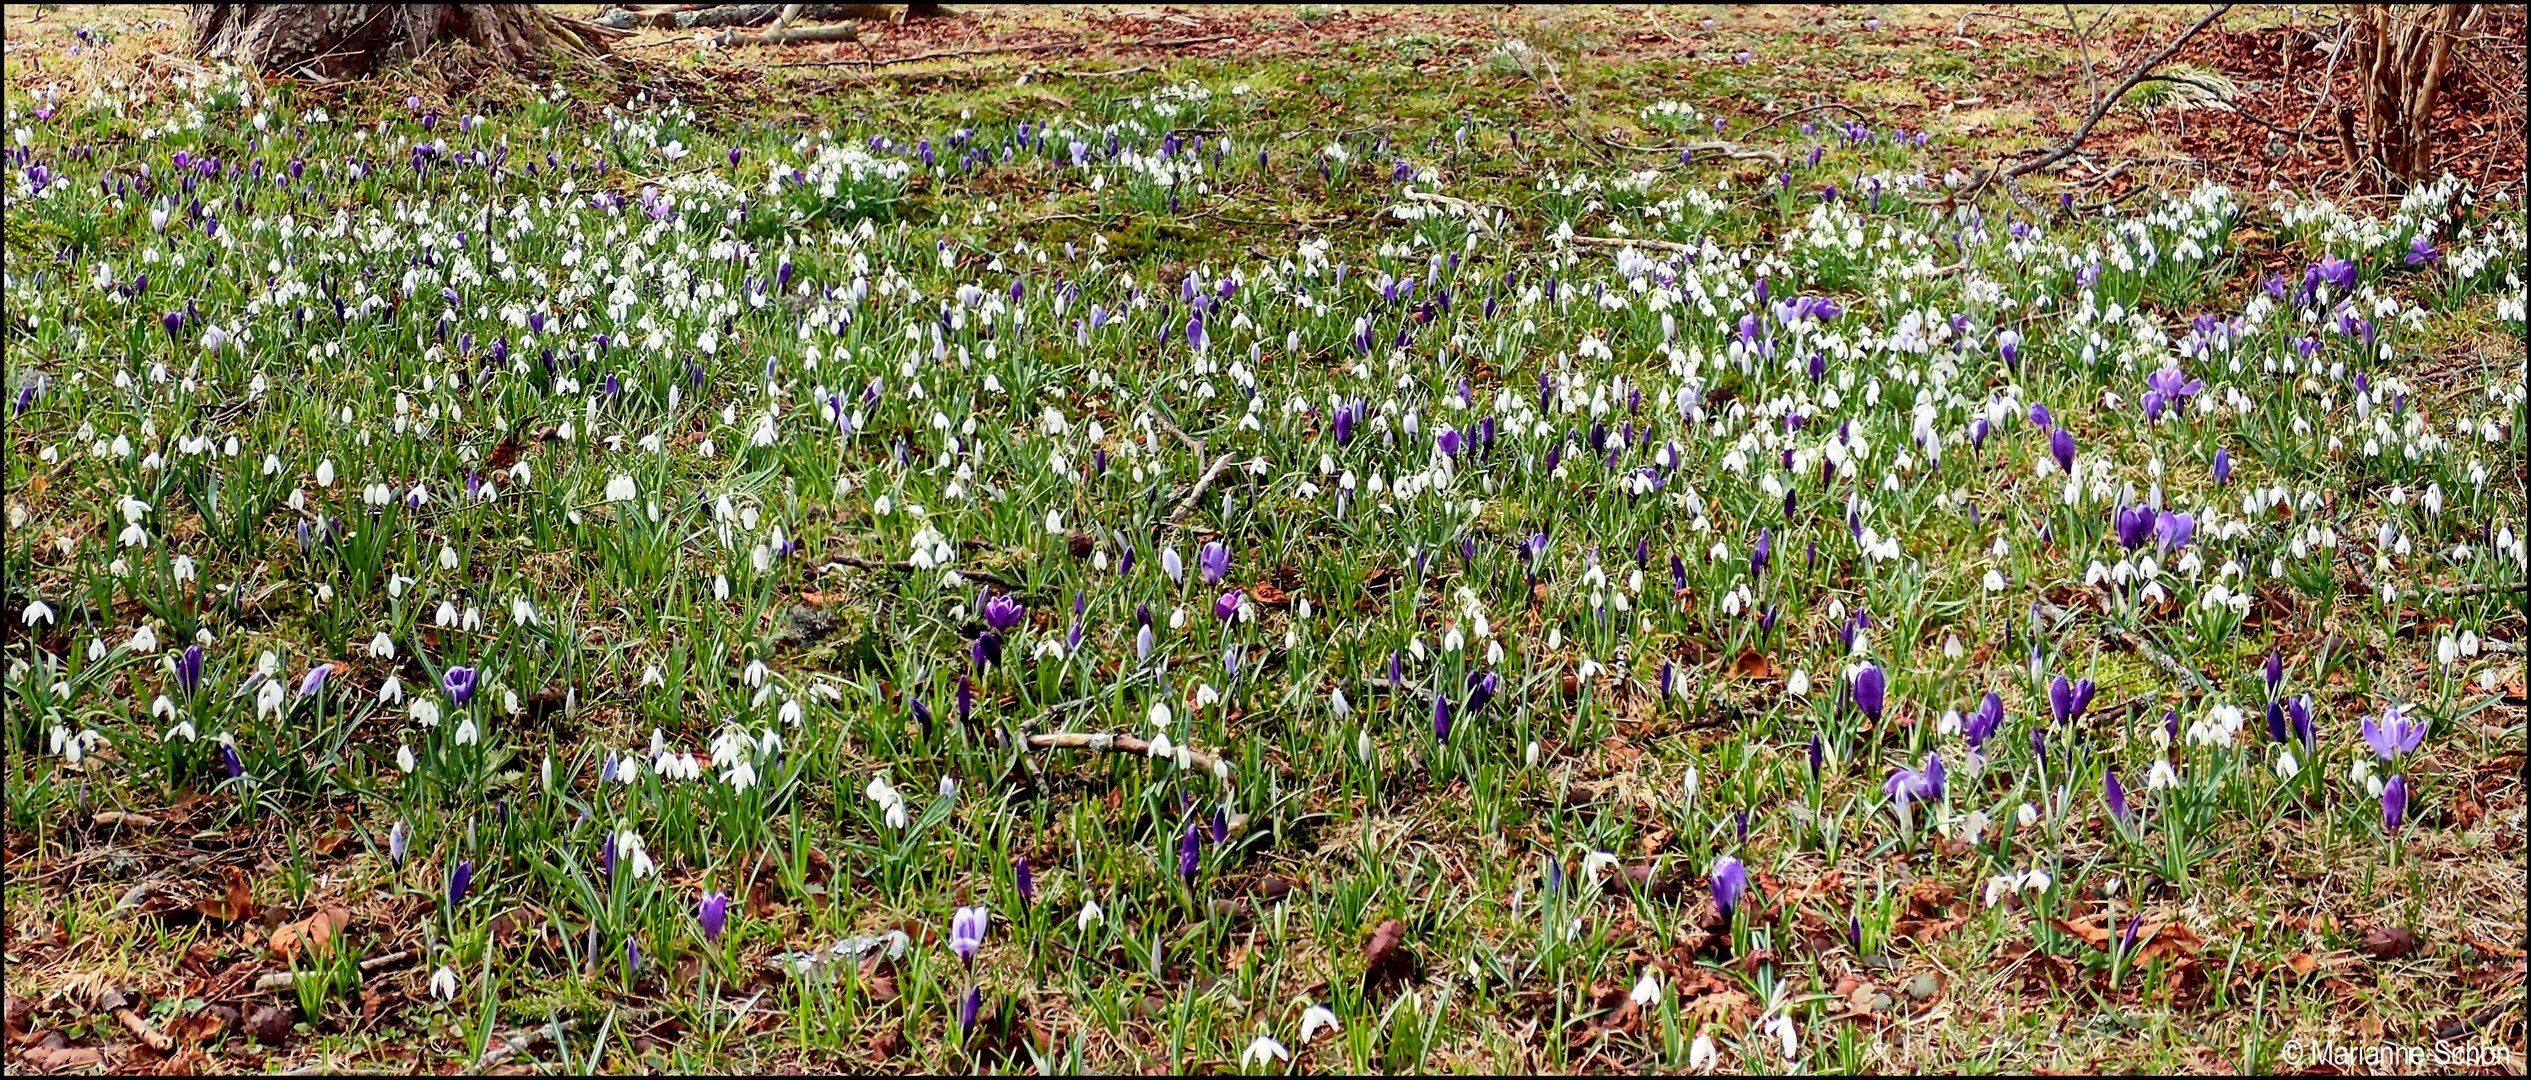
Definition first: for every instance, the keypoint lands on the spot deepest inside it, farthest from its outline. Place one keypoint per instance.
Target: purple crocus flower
(1926, 784)
(2115, 795)
(314, 680)
(2133, 525)
(1228, 605)
(1002, 612)
(1818, 756)
(2421, 252)
(1764, 551)
(1221, 826)
(986, 651)
(968, 1007)
(1871, 690)
(1482, 686)
(2165, 389)
(1213, 560)
(2396, 735)
(1188, 847)
(189, 669)
(2335, 271)
(714, 915)
(229, 760)
(2067, 700)
(1731, 882)
(2223, 465)
(1023, 879)
(2274, 672)
(1980, 726)
(966, 932)
(2394, 803)
(460, 684)
(2173, 530)
(2061, 447)
(1441, 718)
(459, 880)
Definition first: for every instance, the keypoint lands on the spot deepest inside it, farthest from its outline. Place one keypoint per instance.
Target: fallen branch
(788, 35)
(1629, 241)
(996, 50)
(2136, 642)
(1731, 150)
(283, 980)
(1473, 211)
(876, 565)
(114, 1002)
(2101, 108)
(1212, 472)
(1186, 756)
(1805, 111)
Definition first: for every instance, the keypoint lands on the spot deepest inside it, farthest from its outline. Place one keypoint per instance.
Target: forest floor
(683, 564)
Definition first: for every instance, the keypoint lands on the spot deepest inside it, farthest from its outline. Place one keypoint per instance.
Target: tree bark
(340, 40)
(2402, 53)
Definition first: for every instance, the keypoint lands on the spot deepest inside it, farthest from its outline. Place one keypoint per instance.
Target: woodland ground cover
(1067, 571)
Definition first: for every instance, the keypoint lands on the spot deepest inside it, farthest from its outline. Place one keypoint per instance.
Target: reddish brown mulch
(2478, 117)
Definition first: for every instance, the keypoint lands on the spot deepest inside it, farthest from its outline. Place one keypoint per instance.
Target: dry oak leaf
(315, 934)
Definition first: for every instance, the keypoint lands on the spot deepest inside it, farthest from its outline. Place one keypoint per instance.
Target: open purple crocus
(2396, 735)
(2166, 389)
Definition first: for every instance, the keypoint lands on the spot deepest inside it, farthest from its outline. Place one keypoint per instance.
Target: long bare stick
(2101, 108)
(1125, 744)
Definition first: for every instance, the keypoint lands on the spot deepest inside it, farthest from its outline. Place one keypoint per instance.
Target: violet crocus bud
(189, 670)
(459, 880)
(2394, 804)
(1023, 879)
(1731, 882)
(1187, 851)
(714, 915)
(1871, 689)
(2114, 794)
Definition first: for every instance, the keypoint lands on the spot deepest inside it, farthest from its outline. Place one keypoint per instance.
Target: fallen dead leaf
(62, 1059)
(315, 934)
(2388, 943)
(234, 901)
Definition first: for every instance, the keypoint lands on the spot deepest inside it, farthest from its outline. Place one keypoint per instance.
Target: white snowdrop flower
(1264, 1051)
(382, 647)
(1090, 916)
(404, 761)
(391, 691)
(790, 712)
(2286, 767)
(1780, 1028)
(35, 611)
(621, 489)
(425, 712)
(522, 612)
(2162, 776)
(1798, 684)
(268, 698)
(1314, 1018)
(1688, 786)
(325, 473)
(183, 568)
(1159, 715)
(755, 673)
(467, 733)
(1701, 1055)
(144, 640)
(509, 701)
(2027, 815)
(651, 676)
(446, 616)
(1647, 989)
(630, 854)
(183, 730)
(447, 557)
(1161, 747)
(444, 983)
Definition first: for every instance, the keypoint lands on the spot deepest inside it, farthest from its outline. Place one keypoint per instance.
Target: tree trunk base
(343, 40)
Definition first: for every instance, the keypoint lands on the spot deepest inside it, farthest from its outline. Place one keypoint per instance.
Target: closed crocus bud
(2394, 803)
(460, 880)
(714, 915)
(1871, 690)
(1187, 851)
(1023, 879)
